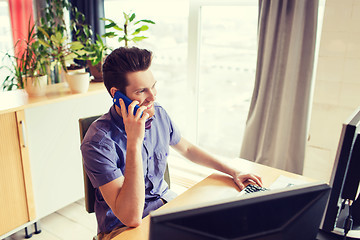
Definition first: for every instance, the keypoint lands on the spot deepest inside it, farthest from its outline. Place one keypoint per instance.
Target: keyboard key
(253, 188)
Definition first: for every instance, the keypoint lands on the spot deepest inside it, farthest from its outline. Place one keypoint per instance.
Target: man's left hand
(240, 178)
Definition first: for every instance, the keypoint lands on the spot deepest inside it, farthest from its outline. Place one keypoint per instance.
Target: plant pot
(75, 69)
(78, 82)
(96, 71)
(80, 70)
(35, 86)
(71, 71)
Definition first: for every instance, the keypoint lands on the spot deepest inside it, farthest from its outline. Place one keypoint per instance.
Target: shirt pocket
(160, 160)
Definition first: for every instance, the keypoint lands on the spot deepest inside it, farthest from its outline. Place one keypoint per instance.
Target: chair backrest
(84, 124)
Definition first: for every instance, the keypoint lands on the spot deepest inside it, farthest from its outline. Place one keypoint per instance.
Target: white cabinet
(40, 159)
(54, 150)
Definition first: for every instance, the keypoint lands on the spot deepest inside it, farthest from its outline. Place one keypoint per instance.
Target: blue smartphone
(126, 100)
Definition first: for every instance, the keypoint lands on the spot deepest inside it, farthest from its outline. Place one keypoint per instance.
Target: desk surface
(202, 192)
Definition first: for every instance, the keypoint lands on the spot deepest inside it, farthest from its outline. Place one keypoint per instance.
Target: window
(210, 108)
(6, 43)
(226, 76)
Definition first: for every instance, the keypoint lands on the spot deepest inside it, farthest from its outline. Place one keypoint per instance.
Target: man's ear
(113, 90)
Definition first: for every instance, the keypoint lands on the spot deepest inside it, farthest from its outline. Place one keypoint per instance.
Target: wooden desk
(213, 188)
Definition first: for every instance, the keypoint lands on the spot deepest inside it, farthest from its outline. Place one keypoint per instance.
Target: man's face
(141, 87)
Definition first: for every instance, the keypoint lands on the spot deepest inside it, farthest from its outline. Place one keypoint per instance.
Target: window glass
(6, 43)
(227, 75)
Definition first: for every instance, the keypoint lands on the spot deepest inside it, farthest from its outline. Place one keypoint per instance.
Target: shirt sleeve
(100, 163)
(175, 135)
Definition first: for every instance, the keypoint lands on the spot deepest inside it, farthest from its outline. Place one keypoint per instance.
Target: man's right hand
(134, 124)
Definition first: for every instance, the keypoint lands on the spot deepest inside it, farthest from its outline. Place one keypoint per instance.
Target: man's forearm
(201, 157)
(130, 201)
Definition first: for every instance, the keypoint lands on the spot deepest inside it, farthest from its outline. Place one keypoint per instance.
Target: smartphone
(126, 100)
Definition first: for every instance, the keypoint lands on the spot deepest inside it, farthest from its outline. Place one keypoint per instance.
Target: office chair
(84, 124)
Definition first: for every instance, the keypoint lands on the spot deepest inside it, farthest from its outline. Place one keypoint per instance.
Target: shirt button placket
(148, 158)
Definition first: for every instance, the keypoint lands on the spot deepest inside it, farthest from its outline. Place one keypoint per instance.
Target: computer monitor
(291, 213)
(345, 181)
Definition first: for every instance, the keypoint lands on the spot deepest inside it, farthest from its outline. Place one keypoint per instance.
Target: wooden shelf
(18, 99)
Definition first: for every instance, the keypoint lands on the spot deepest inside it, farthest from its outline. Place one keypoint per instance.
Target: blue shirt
(104, 154)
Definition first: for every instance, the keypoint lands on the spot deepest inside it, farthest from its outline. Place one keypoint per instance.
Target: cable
(349, 221)
(343, 204)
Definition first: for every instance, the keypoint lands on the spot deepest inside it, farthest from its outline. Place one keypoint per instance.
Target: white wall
(337, 86)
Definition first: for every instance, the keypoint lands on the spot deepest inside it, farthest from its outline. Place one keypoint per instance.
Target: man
(125, 155)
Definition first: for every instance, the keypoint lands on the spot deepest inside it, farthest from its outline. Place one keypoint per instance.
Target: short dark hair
(121, 61)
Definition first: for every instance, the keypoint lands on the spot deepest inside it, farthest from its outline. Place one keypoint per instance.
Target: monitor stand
(338, 232)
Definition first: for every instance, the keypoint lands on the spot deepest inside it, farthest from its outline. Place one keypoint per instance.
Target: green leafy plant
(13, 80)
(130, 30)
(51, 47)
(53, 34)
(61, 51)
(97, 51)
(94, 52)
(31, 62)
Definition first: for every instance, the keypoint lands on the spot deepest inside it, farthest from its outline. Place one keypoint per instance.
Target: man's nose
(152, 95)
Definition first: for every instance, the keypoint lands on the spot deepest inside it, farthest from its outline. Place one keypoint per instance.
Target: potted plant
(94, 52)
(28, 68)
(53, 32)
(62, 54)
(61, 48)
(78, 81)
(61, 51)
(53, 44)
(34, 71)
(96, 58)
(97, 51)
(130, 30)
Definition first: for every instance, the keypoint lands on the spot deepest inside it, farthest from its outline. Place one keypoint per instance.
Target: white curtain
(276, 127)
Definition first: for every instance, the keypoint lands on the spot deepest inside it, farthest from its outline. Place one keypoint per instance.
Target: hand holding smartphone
(126, 100)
